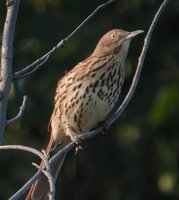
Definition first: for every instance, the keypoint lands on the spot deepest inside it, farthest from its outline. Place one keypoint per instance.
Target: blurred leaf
(165, 106)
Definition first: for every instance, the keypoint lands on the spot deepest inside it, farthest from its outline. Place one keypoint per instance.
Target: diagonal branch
(116, 115)
(26, 186)
(41, 61)
(21, 112)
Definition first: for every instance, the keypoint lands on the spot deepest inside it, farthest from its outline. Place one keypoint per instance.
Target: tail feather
(40, 189)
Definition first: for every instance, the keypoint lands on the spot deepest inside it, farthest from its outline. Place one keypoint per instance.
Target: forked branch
(46, 170)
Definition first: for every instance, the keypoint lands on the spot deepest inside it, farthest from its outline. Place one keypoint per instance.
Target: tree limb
(6, 60)
(21, 112)
(41, 61)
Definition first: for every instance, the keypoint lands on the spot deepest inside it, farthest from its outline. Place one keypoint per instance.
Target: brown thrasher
(85, 96)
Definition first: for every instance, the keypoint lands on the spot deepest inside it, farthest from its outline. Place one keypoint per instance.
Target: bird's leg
(74, 137)
(55, 147)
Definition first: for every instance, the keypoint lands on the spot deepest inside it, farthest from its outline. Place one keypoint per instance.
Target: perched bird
(85, 96)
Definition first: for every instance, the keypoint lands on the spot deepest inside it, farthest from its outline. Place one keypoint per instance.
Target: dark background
(139, 158)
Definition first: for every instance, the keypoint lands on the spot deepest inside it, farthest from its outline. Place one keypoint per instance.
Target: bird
(84, 97)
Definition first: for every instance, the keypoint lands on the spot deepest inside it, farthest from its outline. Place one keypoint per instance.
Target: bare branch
(6, 60)
(26, 187)
(39, 174)
(21, 112)
(28, 149)
(47, 167)
(50, 180)
(41, 61)
(139, 65)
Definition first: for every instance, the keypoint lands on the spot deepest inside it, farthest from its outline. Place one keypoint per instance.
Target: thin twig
(50, 180)
(21, 112)
(31, 69)
(41, 61)
(43, 158)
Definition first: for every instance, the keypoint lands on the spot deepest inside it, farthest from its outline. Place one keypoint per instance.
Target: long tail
(40, 189)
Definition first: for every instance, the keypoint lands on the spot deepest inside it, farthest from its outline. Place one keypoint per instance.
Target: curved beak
(133, 34)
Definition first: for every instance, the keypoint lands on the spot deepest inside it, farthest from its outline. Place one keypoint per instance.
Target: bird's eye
(114, 36)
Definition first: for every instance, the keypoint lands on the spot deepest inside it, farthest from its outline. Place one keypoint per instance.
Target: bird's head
(115, 39)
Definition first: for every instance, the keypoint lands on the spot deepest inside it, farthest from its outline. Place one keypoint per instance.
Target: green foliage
(165, 107)
(138, 159)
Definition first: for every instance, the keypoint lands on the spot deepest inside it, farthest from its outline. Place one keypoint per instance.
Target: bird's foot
(105, 125)
(79, 140)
